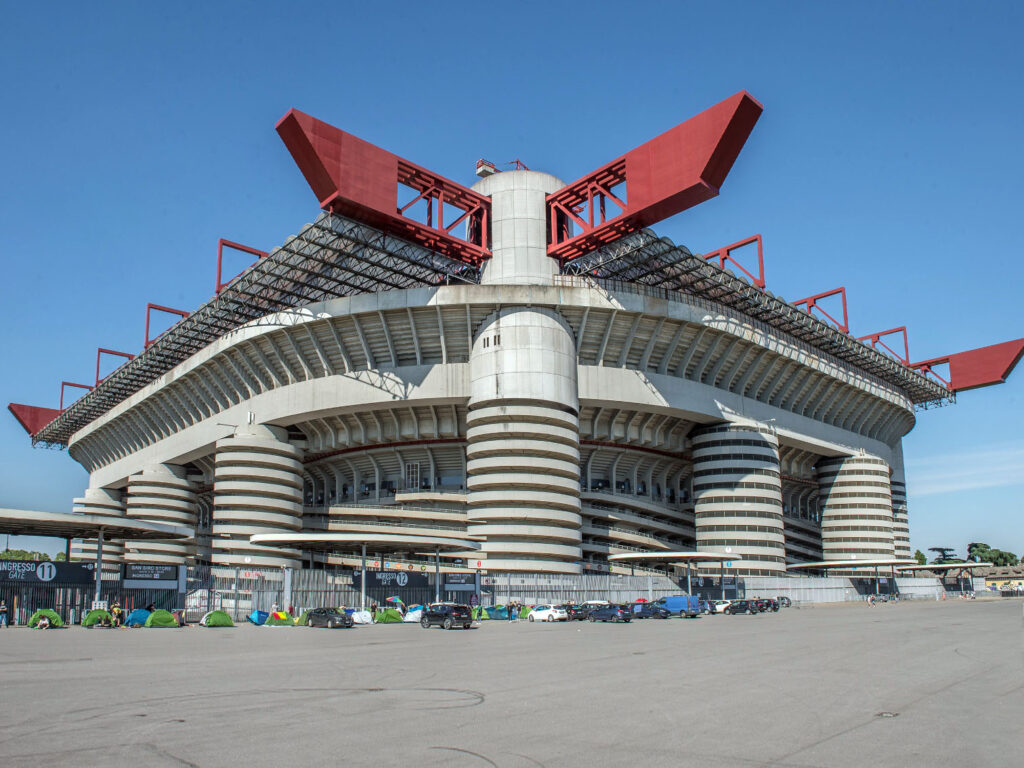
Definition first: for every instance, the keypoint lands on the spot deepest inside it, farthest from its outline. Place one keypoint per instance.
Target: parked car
(741, 606)
(446, 615)
(614, 613)
(650, 611)
(684, 605)
(785, 602)
(548, 613)
(578, 612)
(328, 617)
(719, 606)
(705, 607)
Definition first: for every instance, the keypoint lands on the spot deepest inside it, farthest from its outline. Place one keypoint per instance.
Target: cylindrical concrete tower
(161, 494)
(523, 422)
(856, 508)
(737, 495)
(257, 489)
(519, 233)
(99, 501)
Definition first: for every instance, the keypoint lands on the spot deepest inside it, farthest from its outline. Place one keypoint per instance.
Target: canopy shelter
(675, 557)
(960, 570)
(890, 563)
(335, 543)
(73, 525)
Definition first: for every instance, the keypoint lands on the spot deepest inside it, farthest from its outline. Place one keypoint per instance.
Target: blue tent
(259, 618)
(137, 618)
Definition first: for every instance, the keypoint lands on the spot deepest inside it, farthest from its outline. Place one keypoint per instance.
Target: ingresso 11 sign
(46, 572)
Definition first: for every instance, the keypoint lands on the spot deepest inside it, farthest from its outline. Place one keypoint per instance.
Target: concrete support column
(161, 494)
(857, 508)
(523, 433)
(738, 496)
(99, 501)
(900, 519)
(257, 489)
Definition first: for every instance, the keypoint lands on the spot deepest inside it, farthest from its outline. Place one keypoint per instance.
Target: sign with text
(138, 572)
(45, 572)
(391, 580)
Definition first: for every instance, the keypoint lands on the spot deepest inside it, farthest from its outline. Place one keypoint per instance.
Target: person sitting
(117, 614)
(43, 623)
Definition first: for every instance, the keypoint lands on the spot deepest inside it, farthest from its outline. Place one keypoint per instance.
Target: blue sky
(888, 159)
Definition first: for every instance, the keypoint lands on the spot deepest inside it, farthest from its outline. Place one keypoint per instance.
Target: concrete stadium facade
(552, 419)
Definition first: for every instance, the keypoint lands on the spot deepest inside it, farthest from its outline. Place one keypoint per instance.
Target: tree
(921, 557)
(944, 555)
(979, 552)
(23, 554)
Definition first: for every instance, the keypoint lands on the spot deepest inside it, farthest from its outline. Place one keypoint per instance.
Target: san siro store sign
(46, 572)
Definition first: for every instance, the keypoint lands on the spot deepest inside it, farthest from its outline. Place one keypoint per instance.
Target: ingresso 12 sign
(391, 579)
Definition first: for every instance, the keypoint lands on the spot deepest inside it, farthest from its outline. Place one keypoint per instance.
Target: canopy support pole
(437, 574)
(99, 562)
(362, 582)
(689, 579)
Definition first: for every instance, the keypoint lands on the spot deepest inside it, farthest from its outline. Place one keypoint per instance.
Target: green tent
(524, 611)
(216, 619)
(48, 613)
(303, 618)
(388, 616)
(280, 619)
(95, 616)
(161, 618)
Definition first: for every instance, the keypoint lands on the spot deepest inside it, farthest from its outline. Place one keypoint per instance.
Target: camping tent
(216, 619)
(259, 618)
(362, 617)
(137, 618)
(48, 613)
(95, 616)
(161, 619)
(524, 611)
(388, 616)
(279, 619)
(414, 614)
(480, 613)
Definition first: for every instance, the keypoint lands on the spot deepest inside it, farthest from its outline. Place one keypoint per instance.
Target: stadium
(519, 376)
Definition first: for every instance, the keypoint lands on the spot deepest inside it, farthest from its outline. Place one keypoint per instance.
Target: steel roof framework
(646, 259)
(335, 257)
(330, 258)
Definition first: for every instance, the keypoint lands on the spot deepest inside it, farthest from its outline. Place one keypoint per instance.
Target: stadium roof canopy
(74, 525)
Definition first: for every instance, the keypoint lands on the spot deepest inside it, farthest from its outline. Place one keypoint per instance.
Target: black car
(578, 612)
(650, 611)
(741, 606)
(447, 615)
(328, 617)
(614, 613)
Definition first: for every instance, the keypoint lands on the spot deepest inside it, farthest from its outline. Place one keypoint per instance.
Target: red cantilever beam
(32, 417)
(65, 384)
(221, 245)
(677, 170)
(724, 255)
(811, 303)
(975, 368)
(876, 341)
(169, 310)
(101, 351)
(357, 179)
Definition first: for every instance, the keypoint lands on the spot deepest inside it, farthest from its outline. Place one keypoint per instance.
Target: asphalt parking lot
(910, 684)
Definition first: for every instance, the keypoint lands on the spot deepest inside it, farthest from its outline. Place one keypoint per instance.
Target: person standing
(3, 614)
